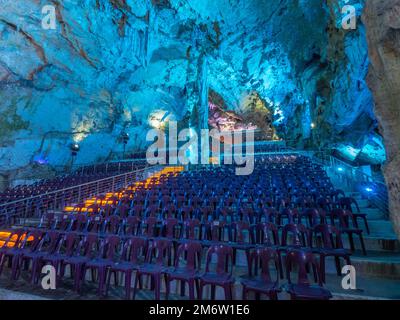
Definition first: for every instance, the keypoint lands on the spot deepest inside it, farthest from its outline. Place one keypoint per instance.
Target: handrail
(71, 188)
(355, 179)
(57, 199)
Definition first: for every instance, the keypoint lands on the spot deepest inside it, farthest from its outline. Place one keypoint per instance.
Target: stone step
(382, 227)
(378, 264)
(376, 242)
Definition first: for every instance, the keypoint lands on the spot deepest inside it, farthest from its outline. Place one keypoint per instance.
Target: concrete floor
(367, 288)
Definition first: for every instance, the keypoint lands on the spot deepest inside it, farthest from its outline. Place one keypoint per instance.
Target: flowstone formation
(114, 66)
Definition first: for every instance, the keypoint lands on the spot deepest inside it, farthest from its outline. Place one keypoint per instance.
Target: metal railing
(56, 200)
(353, 179)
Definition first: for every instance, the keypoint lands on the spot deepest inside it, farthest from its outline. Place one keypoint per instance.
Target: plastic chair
(103, 261)
(161, 250)
(82, 254)
(133, 256)
(331, 246)
(222, 276)
(303, 290)
(191, 252)
(263, 284)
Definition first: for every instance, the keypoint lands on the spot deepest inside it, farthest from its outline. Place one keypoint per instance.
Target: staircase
(378, 273)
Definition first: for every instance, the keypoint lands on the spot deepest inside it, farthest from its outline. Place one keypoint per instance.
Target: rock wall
(128, 65)
(382, 20)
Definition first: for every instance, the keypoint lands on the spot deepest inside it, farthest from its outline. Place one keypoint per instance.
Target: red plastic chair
(132, 226)
(263, 284)
(47, 245)
(191, 252)
(106, 257)
(303, 290)
(331, 246)
(222, 276)
(82, 254)
(133, 256)
(23, 246)
(159, 249)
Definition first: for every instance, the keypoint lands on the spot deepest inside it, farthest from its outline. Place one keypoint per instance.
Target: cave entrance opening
(252, 114)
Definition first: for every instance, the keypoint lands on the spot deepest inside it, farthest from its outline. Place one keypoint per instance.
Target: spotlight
(74, 149)
(125, 139)
(313, 125)
(340, 169)
(369, 189)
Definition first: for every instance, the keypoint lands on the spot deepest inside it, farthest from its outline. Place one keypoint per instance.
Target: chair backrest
(264, 257)
(299, 233)
(214, 230)
(192, 229)
(109, 247)
(31, 240)
(80, 222)
(150, 226)
(186, 212)
(224, 256)
(347, 202)
(160, 249)
(112, 224)
(132, 225)
(87, 246)
(49, 242)
(238, 232)
(330, 236)
(95, 222)
(134, 249)
(191, 252)
(68, 242)
(304, 260)
(170, 228)
(267, 234)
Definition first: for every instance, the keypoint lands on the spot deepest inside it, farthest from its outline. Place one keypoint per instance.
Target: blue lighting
(340, 169)
(368, 189)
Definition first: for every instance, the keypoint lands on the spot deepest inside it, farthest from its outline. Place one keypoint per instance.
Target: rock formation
(113, 66)
(382, 20)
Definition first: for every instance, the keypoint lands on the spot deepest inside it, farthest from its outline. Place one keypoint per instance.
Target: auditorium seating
(170, 226)
(83, 175)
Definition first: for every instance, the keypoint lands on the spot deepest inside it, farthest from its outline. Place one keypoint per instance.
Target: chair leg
(228, 292)
(191, 289)
(213, 289)
(362, 245)
(351, 240)
(108, 281)
(167, 287)
(137, 280)
(322, 267)
(183, 288)
(244, 293)
(157, 286)
(366, 224)
(337, 264)
(128, 280)
(200, 290)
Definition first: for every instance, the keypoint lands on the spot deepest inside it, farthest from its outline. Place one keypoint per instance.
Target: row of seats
(161, 259)
(81, 176)
(287, 208)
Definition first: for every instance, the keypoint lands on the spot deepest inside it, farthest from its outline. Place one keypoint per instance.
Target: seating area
(206, 228)
(83, 175)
